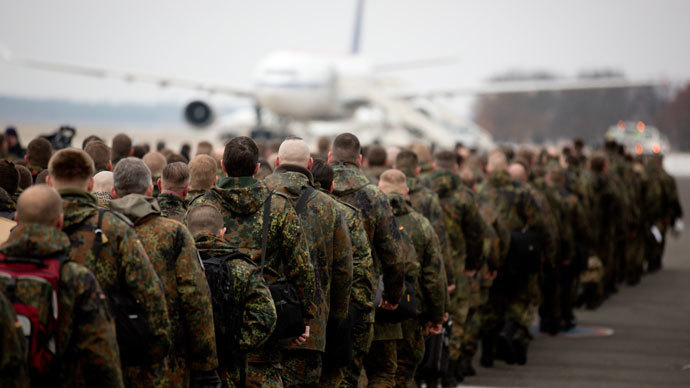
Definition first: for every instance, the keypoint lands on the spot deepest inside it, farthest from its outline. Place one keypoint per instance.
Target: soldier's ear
(215, 180)
(60, 221)
(114, 193)
(330, 156)
(158, 183)
(49, 181)
(417, 170)
(310, 164)
(110, 165)
(149, 191)
(221, 233)
(256, 170)
(359, 161)
(89, 185)
(277, 162)
(222, 166)
(330, 189)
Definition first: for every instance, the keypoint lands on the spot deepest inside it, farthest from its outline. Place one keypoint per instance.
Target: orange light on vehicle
(639, 149)
(622, 125)
(656, 148)
(640, 126)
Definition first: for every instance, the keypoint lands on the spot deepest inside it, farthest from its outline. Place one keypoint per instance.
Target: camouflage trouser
(349, 377)
(530, 302)
(634, 259)
(381, 364)
(263, 375)
(470, 337)
(151, 376)
(460, 302)
(550, 309)
(654, 251)
(508, 302)
(568, 292)
(301, 368)
(410, 353)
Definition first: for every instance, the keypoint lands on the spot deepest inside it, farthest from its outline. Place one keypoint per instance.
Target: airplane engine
(198, 114)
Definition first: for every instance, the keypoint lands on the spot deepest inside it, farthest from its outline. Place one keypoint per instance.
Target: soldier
(510, 291)
(121, 264)
(466, 239)
(13, 367)
(240, 199)
(9, 182)
(121, 148)
(171, 250)
(330, 251)
(173, 185)
(25, 180)
(38, 153)
(85, 340)
(375, 163)
(202, 175)
(156, 162)
(100, 153)
(670, 210)
(353, 187)
(102, 186)
(428, 277)
(249, 290)
(361, 307)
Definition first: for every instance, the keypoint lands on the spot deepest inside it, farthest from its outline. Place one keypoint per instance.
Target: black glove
(204, 379)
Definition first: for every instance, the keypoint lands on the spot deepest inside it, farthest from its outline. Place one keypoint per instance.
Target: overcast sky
(223, 40)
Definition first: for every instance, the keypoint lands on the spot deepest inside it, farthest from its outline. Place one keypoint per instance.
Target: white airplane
(306, 86)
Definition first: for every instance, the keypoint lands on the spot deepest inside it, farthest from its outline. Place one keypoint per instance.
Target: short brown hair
(205, 218)
(41, 177)
(25, 178)
(346, 148)
(376, 156)
(406, 161)
(175, 176)
(39, 204)
(155, 161)
(9, 177)
(173, 158)
(204, 148)
(322, 173)
(71, 165)
(39, 152)
(89, 139)
(122, 146)
(445, 159)
(202, 172)
(240, 157)
(598, 161)
(100, 153)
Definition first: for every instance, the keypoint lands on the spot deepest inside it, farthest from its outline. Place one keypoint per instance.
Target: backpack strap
(98, 234)
(264, 232)
(301, 205)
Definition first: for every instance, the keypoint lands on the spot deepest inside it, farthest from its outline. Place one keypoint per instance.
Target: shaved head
(155, 161)
(517, 172)
(39, 204)
(103, 182)
(294, 151)
(393, 182)
(204, 218)
(497, 161)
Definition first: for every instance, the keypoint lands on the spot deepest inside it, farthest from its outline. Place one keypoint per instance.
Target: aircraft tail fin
(357, 32)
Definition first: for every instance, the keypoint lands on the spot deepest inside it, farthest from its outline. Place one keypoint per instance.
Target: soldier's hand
(300, 340)
(433, 328)
(469, 273)
(490, 275)
(451, 288)
(386, 305)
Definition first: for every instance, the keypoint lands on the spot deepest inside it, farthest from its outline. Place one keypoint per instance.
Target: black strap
(98, 234)
(301, 205)
(264, 233)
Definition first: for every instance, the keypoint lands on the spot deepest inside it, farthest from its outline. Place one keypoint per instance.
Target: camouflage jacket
(330, 249)
(103, 198)
(170, 247)
(7, 204)
(192, 194)
(172, 206)
(122, 265)
(426, 201)
(603, 208)
(241, 201)
(249, 290)
(556, 217)
(352, 186)
(13, 369)
(496, 233)
(35, 170)
(363, 281)
(462, 220)
(85, 339)
(430, 279)
(373, 173)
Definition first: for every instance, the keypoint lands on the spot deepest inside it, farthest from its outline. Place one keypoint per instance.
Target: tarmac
(649, 347)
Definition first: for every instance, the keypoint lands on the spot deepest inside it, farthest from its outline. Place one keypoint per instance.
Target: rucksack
(31, 285)
(132, 328)
(227, 316)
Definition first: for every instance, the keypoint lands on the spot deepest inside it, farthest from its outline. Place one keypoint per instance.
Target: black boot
(488, 345)
(504, 343)
(520, 343)
(466, 367)
(449, 379)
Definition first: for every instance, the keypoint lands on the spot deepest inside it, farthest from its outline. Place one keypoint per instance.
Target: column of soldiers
(483, 244)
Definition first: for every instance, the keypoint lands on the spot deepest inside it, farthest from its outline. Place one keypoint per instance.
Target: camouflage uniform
(13, 368)
(373, 173)
(7, 204)
(251, 291)
(35, 170)
(361, 305)
(669, 210)
(192, 194)
(172, 206)
(353, 187)
(427, 273)
(103, 199)
(240, 201)
(122, 266)
(330, 251)
(86, 344)
(517, 209)
(171, 250)
(464, 228)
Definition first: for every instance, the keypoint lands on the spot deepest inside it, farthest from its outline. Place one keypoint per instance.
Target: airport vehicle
(639, 138)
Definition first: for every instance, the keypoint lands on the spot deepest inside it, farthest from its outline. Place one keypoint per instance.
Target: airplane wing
(128, 76)
(401, 110)
(534, 87)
